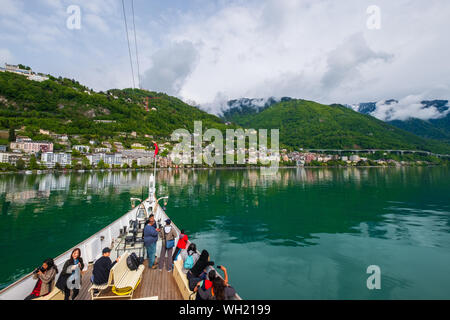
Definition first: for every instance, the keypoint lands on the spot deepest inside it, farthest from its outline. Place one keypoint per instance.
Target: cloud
(10, 8)
(5, 56)
(97, 22)
(171, 67)
(344, 62)
(213, 51)
(406, 108)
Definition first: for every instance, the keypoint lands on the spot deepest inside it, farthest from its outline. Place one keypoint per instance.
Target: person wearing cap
(102, 267)
(168, 235)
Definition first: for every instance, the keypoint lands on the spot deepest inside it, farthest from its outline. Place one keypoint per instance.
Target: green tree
(85, 163)
(12, 135)
(75, 164)
(102, 165)
(75, 153)
(20, 164)
(33, 163)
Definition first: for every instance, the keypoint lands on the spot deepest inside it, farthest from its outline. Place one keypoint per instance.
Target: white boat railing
(91, 250)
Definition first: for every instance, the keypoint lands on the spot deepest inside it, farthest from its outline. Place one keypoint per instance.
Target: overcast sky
(207, 52)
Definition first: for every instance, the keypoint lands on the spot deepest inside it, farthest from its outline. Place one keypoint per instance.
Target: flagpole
(156, 154)
(155, 167)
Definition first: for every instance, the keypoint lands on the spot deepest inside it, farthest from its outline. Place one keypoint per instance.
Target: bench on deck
(103, 287)
(55, 294)
(182, 281)
(122, 280)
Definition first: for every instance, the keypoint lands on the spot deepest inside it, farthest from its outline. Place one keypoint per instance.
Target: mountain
(65, 106)
(438, 128)
(244, 106)
(309, 124)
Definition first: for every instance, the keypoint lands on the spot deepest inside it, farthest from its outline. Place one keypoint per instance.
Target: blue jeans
(151, 250)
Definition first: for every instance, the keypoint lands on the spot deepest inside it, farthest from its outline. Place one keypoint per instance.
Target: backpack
(189, 262)
(133, 262)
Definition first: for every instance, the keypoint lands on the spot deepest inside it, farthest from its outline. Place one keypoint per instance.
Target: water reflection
(305, 218)
(289, 208)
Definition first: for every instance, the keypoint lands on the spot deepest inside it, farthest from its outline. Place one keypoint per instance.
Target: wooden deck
(154, 283)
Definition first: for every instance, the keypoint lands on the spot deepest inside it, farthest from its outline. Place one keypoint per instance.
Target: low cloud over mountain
(410, 107)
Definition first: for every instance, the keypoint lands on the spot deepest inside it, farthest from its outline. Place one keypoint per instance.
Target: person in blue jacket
(150, 238)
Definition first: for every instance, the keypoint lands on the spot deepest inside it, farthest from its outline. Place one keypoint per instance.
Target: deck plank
(154, 283)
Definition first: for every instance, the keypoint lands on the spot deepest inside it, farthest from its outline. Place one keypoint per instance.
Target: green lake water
(301, 234)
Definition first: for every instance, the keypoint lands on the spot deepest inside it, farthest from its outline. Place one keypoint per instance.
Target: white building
(50, 159)
(102, 150)
(82, 149)
(37, 78)
(8, 157)
(31, 146)
(109, 159)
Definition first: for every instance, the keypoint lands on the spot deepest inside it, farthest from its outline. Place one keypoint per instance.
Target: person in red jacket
(181, 245)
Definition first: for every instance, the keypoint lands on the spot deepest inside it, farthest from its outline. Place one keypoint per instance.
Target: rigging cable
(137, 52)
(128, 40)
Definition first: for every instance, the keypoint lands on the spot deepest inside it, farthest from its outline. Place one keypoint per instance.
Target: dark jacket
(102, 268)
(150, 235)
(61, 284)
(201, 264)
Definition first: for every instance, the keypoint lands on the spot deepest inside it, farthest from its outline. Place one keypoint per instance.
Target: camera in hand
(41, 269)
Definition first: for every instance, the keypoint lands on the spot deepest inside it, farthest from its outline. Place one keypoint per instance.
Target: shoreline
(71, 171)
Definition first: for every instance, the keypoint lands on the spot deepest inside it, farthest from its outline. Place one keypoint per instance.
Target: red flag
(156, 149)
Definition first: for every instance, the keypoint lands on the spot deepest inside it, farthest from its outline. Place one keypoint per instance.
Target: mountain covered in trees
(307, 124)
(65, 106)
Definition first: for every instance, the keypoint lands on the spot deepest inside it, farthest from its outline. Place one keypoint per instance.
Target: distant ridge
(307, 124)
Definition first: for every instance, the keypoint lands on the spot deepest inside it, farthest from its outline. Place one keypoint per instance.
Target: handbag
(170, 244)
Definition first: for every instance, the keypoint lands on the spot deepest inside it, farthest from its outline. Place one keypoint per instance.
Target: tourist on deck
(168, 235)
(189, 257)
(152, 221)
(45, 275)
(221, 290)
(204, 287)
(102, 268)
(200, 266)
(70, 278)
(150, 240)
(181, 245)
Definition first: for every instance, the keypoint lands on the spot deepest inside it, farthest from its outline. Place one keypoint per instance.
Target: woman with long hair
(45, 276)
(202, 263)
(70, 278)
(221, 290)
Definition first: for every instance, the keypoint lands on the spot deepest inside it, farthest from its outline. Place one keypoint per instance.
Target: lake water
(301, 234)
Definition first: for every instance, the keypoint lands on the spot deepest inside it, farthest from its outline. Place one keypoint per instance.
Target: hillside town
(24, 71)
(26, 154)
